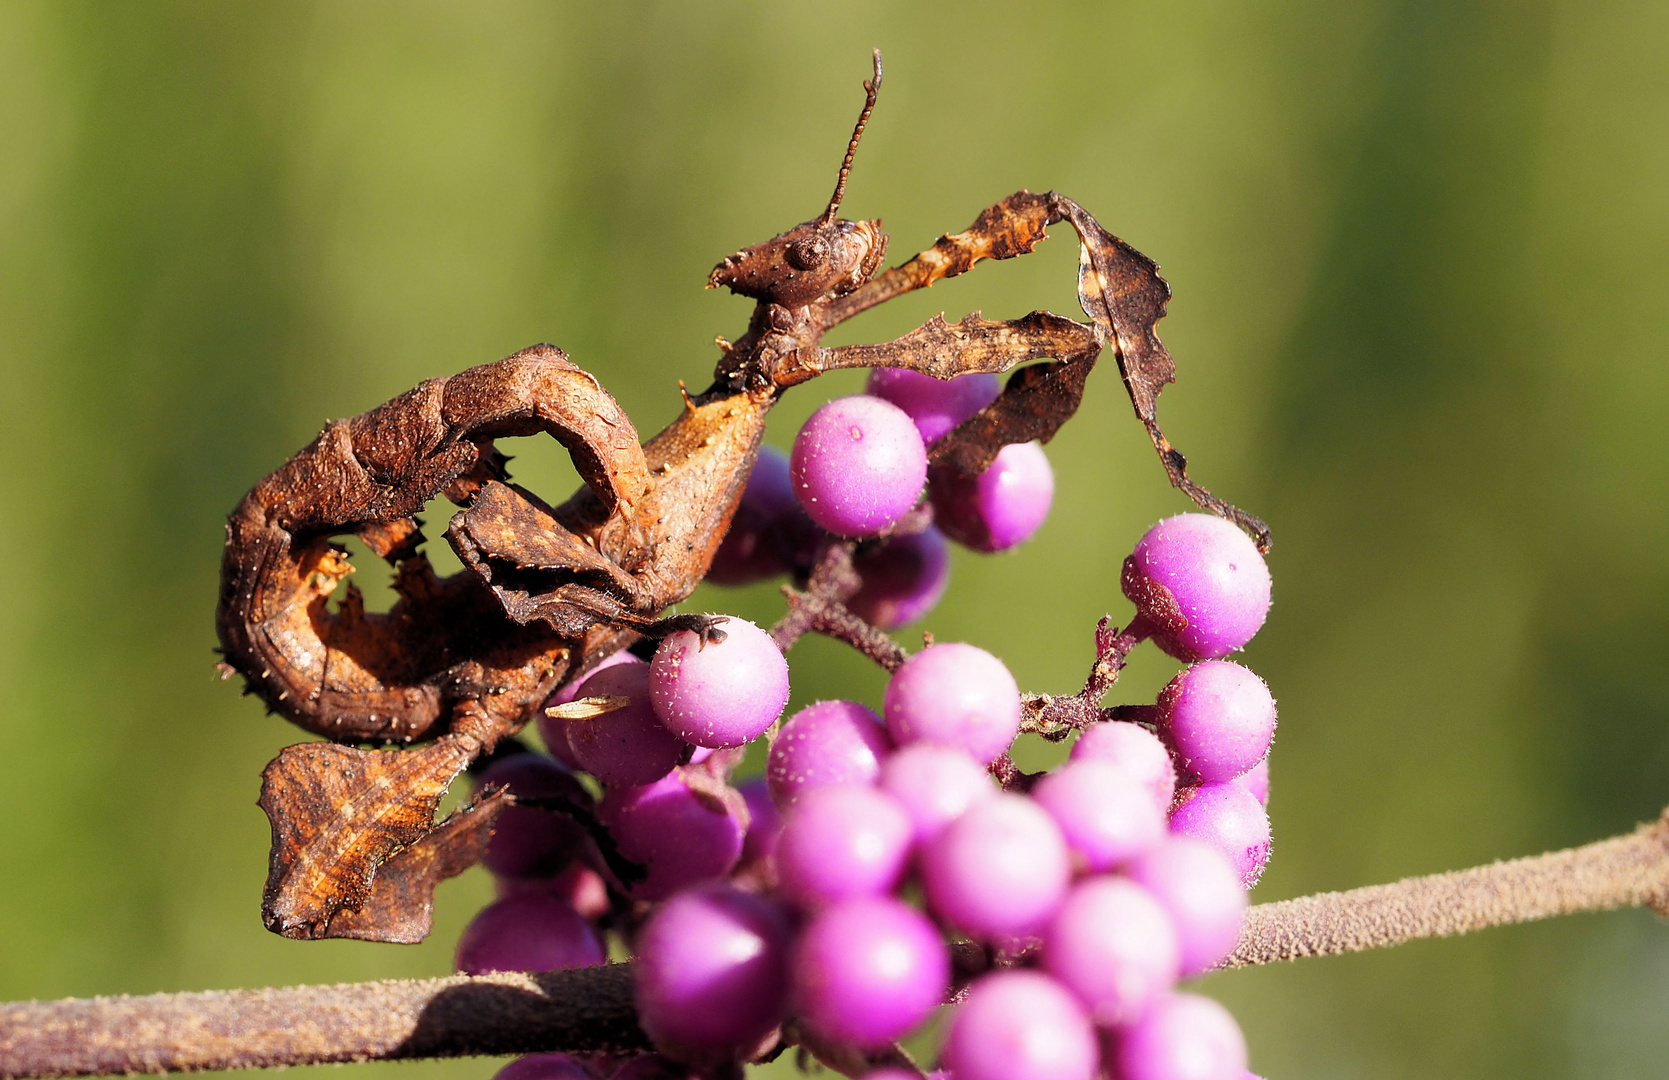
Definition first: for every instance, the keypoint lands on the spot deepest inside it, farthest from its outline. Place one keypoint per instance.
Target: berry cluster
(888, 863)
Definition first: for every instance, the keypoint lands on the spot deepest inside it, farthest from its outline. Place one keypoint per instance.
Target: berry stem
(590, 1009)
(820, 609)
(1057, 717)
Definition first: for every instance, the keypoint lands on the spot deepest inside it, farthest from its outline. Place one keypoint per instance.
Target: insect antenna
(871, 88)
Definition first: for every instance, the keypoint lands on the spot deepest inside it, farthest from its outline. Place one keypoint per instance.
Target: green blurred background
(1415, 249)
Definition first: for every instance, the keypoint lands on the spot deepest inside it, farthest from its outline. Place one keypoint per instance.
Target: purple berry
(858, 466)
(529, 842)
(1201, 583)
(1256, 780)
(712, 972)
(935, 784)
(629, 746)
(1200, 889)
(1020, 1025)
(654, 1067)
(1003, 506)
(545, 1067)
(831, 742)
(769, 533)
(868, 971)
(955, 695)
(1182, 1037)
(1000, 870)
(841, 842)
(936, 405)
(531, 932)
(579, 886)
(555, 730)
(684, 827)
(1137, 751)
(764, 823)
(1113, 944)
(1219, 718)
(1229, 818)
(1106, 815)
(902, 579)
(719, 695)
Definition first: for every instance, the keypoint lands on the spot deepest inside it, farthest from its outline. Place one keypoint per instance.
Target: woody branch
(590, 1010)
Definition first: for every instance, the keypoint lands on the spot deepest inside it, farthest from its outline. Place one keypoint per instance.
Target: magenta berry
(1202, 892)
(935, 784)
(957, 695)
(998, 871)
(555, 730)
(769, 533)
(1219, 718)
(530, 932)
(841, 842)
(1105, 814)
(1003, 506)
(544, 1067)
(719, 694)
(868, 971)
(903, 578)
(1229, 818)
(1256, 780)
(712, 971)
(831, 742)
(529, 842)
(764, 822)
(1114, 946)
(1200, 583)
(858, 466)
(683, 834)
(1182, 1037)
(1020, 1025)
(1137, 751)
(935, 405)
(629, 746)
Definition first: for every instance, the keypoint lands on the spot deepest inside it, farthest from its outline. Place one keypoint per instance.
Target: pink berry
(1114, 946)
(1020, 1025)
(1003, 506)
(1202, 892)
(1229, 818)
(869, 971)
(1219, 718)
(830, 742)
(682, 828)
(935, 405)
(629, 746)
(1256, 780)
(843, 841)
(530, 842)
(1201, 583)
(903, 578)
(719, 695)
(531, 932)
(954, 694)
(769, 533)
(858, 466)
(1182, 1037)
(1106, 815)
(712, 971)
(1137, 751)
(554, 730)
(935, 785)
(1000, 870)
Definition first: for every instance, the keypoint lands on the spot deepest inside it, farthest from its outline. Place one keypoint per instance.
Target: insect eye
(808, 254)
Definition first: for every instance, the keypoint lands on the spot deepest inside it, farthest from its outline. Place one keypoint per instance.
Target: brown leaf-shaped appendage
(400, 908)
(338, 814)
(1121, 291)
(353, 675)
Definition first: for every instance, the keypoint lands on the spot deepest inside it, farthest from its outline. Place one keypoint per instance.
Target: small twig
(820, 609)
(1057, 717)
(1624, 871)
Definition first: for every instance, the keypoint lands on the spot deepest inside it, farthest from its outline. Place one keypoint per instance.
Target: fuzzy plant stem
(590, 1009)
